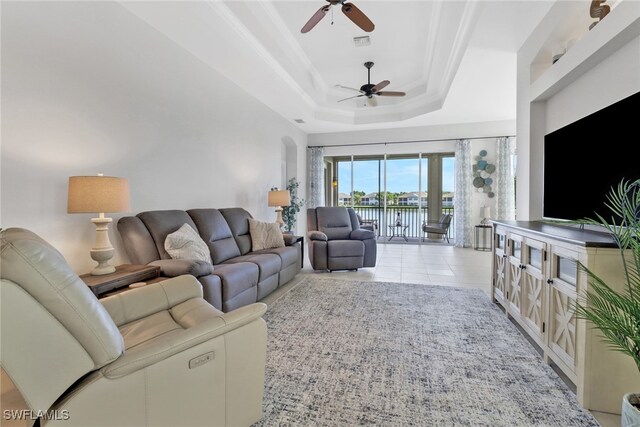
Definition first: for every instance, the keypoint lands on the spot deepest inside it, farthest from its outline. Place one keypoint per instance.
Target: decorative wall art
(482, 174)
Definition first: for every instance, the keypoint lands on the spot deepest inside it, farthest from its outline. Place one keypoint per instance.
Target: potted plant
(289, 212)
(617, 313)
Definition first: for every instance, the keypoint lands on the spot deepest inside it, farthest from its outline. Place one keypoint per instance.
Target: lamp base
(102, 252)
(279, 217)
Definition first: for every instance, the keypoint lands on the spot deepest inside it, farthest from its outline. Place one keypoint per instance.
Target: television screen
(585, 159)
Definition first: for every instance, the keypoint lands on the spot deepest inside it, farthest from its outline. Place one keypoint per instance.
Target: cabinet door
(500, 266)
(563, 278)
(514, 273)
(533, 287)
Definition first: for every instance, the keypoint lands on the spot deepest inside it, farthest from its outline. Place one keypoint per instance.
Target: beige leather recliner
(156, 355)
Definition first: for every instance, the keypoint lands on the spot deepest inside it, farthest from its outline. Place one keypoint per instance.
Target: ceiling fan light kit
(349, 9)
(369, 90)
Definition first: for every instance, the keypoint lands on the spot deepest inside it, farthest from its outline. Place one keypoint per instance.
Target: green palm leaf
(617, 314)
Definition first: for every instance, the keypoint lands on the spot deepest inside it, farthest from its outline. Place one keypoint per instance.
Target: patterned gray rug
(347, 353)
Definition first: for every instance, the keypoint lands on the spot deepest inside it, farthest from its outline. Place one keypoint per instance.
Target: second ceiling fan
(349, 9)
(370, 90)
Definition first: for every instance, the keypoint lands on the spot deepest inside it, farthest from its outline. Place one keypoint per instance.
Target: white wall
(87, 87)
(603, 85)
(610, 74)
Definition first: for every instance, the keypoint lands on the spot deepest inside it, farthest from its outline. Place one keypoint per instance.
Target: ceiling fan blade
(358, 18)
(317, 17)
(373, 101)
(351, 97)
(350, 88)
(390, 93)
(380, 85)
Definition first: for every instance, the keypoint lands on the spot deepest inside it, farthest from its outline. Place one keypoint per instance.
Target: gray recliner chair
(156, 355)
(337, 242)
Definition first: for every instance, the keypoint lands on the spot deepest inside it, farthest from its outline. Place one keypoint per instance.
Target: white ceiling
(456, 60)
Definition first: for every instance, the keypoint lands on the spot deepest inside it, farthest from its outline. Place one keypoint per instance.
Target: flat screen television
(585, 159)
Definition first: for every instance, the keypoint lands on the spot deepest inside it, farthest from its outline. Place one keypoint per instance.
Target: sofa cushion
(162, 223)
(288, 255)
(215, 231)
(268, 264)
(345, 248)
(178, 267)
(335, 223)
(238, 220)
(185, 243)
(265, 235)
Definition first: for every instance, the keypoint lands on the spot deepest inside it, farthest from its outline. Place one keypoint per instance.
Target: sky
(402, 175)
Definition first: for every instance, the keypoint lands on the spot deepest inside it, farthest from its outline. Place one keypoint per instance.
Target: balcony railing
(410, 216)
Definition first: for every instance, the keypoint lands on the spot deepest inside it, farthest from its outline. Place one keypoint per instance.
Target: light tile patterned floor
(433, 264)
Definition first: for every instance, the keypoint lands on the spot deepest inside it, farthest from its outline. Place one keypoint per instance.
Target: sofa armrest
(290, 239)
(362, 234)
(179, 267)
(169, 344)
(317, 235)
(141, 302)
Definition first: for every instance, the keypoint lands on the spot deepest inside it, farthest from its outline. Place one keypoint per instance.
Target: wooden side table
(124, 275)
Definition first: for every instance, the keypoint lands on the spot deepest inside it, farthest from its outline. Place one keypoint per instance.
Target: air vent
(298, 120)
(361, 41)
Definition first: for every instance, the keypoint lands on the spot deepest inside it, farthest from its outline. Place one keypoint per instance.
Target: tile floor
(435, 264)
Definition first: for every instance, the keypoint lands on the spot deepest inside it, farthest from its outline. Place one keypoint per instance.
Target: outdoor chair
(368, 224)
(438, 227)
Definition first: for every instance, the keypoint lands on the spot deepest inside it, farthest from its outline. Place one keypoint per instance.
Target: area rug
(348, 353)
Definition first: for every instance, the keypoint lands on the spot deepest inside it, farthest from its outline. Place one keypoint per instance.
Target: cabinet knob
(549, 282)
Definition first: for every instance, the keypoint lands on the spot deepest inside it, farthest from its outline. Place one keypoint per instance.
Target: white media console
(537, 279)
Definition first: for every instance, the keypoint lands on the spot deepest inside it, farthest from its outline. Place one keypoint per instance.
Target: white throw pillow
(185, 243)
(265, 235)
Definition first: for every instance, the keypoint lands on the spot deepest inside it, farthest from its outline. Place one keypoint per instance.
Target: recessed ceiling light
(361, 41)
(298, 120)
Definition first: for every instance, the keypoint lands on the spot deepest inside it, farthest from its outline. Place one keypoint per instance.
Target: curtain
(462, 199)
(315, 186)
(506, 189)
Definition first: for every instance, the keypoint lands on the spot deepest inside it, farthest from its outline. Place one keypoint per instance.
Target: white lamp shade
(486, 211)
(98, 194)
(279, 198)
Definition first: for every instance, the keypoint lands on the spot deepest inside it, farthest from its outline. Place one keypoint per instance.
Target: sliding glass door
(396, 193)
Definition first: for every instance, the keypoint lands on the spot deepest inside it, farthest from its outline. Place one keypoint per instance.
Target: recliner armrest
(317, 235)
(362, 234)
(178, 267)
(137, 303)
(176, 341)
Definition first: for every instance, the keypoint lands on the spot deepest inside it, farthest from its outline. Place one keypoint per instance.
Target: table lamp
(99, 194)
(278, 199)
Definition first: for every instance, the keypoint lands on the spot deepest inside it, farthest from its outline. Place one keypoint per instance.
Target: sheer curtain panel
(462, 199)
(505, 165)
(315, 189)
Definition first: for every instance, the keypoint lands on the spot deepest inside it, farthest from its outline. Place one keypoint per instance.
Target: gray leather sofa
(239, 276)
(336, 240)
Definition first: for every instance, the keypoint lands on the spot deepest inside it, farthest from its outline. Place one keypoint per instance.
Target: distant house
(411, 199)
(344, 199)
(370, 199)
(447, 200)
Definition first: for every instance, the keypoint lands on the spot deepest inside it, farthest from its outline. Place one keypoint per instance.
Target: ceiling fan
(349, 9)
(369, 90)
